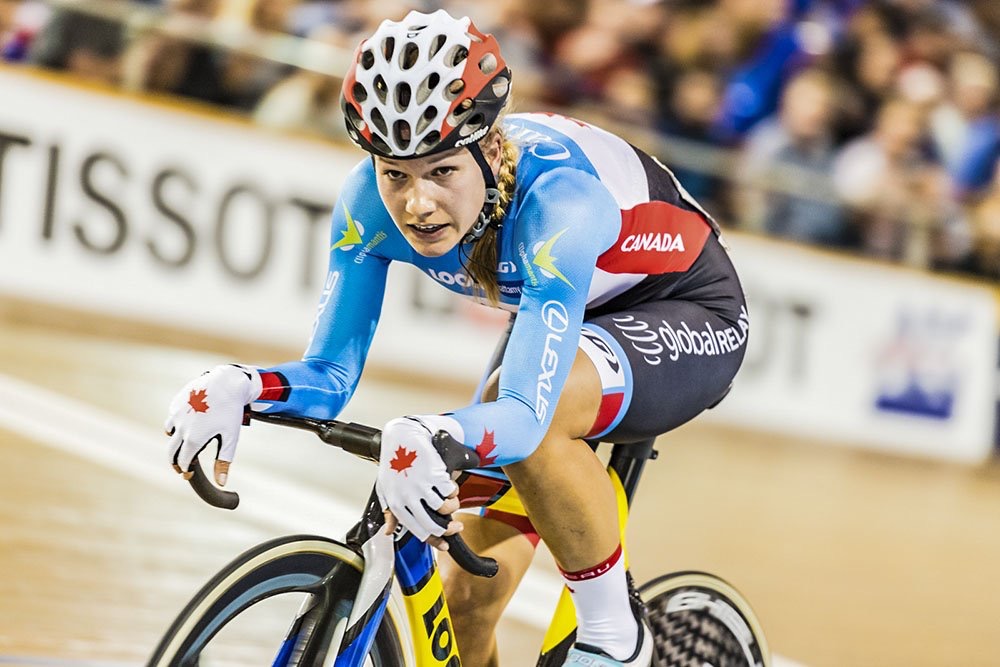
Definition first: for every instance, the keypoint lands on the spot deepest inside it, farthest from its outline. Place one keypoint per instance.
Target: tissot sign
(130, 209)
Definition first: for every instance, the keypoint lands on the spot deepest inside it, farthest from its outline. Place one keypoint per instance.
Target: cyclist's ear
(492, 148)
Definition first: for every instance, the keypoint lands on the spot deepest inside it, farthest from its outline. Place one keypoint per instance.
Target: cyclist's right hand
(208, 408)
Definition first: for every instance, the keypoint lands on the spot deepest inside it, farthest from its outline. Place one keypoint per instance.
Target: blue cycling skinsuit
(601, 250)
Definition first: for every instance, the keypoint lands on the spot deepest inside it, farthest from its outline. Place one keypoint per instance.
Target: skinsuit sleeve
(320, 385)
(563, 224)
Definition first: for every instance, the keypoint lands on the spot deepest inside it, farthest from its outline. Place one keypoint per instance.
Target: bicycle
(352, 615)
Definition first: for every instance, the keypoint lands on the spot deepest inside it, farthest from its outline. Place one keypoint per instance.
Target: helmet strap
(485, 220)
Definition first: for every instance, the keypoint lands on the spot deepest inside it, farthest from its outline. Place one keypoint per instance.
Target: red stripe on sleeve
(275, 387)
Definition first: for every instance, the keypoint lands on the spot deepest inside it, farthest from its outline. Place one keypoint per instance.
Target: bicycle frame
(413, 565)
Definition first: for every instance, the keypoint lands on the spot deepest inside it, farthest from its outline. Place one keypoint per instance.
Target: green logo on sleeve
(351, 236)
(546, 261)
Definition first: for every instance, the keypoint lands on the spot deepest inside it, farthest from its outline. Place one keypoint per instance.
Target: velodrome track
(850, 558)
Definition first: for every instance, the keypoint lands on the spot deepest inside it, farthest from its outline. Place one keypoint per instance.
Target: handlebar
(210, 493)
(457, 456)
(364, 442)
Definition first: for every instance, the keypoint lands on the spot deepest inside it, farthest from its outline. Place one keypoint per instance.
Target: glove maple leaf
(403, 459)
(197, 400)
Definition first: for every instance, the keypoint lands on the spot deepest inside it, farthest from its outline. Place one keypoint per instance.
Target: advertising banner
(851, 351)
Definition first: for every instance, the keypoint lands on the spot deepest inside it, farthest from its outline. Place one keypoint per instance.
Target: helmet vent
(454, 89)
(379, 121)
(359, 92)
(488, 64)
(457, 55)
(429, 114)
(380, 145)
(501, 86)
(403, 95)
(401, 133)
(428, 142)
(367, 59)
(388, 47)
(473, 124)
(408, 57)
(436, 45)
(352, 115)
(427, 86)
(381, 89)
(460, 113)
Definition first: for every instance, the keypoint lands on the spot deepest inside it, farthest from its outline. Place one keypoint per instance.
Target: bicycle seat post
(628, 461)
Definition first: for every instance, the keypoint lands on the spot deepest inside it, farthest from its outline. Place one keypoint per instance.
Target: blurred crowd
(870, 125)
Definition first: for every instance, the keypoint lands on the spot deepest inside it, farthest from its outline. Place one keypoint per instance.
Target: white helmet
(423, 85)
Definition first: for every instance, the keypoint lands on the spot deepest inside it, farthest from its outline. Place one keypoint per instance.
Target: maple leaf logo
(196, 400)
(403, 460)
(485, 448)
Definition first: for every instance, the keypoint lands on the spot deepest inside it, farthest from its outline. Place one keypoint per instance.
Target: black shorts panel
(682, 356)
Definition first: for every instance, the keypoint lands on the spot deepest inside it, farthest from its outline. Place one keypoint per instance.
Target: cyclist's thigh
(662, 363)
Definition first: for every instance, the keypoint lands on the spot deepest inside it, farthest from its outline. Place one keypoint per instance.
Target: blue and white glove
(412, 479)
(210, 408)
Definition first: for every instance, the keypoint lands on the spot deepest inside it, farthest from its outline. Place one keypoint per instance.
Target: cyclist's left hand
(413, 480)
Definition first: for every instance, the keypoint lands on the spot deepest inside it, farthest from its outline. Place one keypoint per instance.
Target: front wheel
(698, 619)
(320, 576)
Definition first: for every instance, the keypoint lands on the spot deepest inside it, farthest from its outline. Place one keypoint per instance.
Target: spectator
(689, 115)
(696, 39)
(309, 101)
(798, 141)
(984, 259)
(87, 46)
(775, 51)
(898, 196)
(868, 57)
(585, 57)
(247, 77)
(522, 47)
(9, 29)
(974, 132)
(929, 36)
(306, 101)
(162, 62)
(20, 21)
(554, 21)
(629, 92)
(346, 16)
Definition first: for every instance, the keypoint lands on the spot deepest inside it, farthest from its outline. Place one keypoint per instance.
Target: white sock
(604, 617)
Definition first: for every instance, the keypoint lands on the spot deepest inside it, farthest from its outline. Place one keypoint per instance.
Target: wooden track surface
(849, 558)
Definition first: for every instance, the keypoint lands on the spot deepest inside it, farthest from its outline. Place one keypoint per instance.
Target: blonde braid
(482, 266)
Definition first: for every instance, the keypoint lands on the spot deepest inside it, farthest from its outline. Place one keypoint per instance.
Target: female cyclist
(630, 318)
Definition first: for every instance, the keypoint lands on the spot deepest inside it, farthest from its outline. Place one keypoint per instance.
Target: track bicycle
(352, 615)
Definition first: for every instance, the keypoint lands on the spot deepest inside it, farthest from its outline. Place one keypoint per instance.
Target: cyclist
(630, 318)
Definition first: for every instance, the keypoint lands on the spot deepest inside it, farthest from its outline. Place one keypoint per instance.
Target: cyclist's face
(434, 200)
